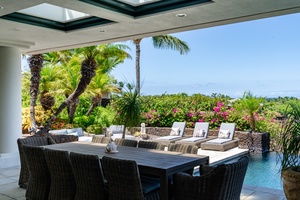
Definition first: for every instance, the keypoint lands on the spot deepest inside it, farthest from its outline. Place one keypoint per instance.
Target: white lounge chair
(116, 131)
(225, 139)
(199, 135)
(176, 133)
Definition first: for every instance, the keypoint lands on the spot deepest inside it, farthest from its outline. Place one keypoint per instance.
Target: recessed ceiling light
(1, 7)
(102, 31)
(180, 15)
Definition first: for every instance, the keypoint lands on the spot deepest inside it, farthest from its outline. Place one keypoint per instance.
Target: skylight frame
(69, 25)
(54, 13)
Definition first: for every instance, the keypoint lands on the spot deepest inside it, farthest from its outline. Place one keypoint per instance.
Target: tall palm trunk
(252, 122)
(137, 43)
(88, 67)
(72, 109)
(96, 100)
(35, 65)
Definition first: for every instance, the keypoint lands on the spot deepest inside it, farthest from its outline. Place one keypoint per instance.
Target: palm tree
(101, 83)
(249, 104)
(88, 71)
(88, 68)
(35, 65)
(160, 42)
(70, 65)
(128, 107)
(72, 78)
(49, 77)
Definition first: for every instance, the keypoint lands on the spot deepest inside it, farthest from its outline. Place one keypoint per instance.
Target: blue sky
(261, 56)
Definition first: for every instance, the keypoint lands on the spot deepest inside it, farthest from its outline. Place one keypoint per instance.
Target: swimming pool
(263, 171)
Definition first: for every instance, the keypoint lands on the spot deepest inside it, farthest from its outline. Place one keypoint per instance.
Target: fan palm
(160, 42)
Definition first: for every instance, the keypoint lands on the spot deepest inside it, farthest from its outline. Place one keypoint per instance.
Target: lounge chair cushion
(219, 141)
(224, 134)
(175, 132)
(59, 132)
(199, 133)
(170, 137)
(68, 132)
(77, 130)
(193, 139)
(73, 133)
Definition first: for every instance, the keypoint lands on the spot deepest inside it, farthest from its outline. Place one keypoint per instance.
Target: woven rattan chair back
(30, 141)
(126, 142)
(105, 140)
(97, 138)
(151, 145)
(62, 178)
(39, 181)
(124, 181)
(89, 178)
(184, 148)
(223, 182)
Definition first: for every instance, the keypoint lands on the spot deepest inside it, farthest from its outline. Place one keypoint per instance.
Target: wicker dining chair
(184, 148)
(39, 176)
(124, 181)
(223, 182)
(126, 142)
(30, 141)
(97, 138)
(89, 177)
(105, 140)
(62, 178)
(151, 145)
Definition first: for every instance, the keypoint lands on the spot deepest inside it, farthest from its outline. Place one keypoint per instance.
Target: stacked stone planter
(255, 142)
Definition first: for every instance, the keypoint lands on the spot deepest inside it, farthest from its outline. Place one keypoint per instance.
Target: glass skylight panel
(55, 13)
(138, 2)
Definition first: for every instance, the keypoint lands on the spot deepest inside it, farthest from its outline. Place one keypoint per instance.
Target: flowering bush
(162, 111)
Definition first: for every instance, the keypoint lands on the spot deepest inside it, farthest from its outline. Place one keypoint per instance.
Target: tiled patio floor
(9, 188)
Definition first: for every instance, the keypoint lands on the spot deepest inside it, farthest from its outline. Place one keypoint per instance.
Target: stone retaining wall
(255, 142)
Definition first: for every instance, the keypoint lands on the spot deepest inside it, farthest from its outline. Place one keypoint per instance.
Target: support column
(10, 99)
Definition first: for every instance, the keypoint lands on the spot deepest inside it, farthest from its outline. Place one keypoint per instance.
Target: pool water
(263, 171)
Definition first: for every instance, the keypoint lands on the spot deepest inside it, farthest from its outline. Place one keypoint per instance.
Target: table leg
(164, 188)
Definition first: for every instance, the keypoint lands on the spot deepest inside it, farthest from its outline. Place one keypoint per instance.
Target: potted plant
(289, 157)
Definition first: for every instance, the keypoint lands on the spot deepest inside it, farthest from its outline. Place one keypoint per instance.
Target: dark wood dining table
(162, 164)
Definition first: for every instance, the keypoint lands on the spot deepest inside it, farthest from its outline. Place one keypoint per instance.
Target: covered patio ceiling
(38, 26)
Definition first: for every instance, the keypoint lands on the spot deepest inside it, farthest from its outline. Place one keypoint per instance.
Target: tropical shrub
(41, 117)
(94, 129)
